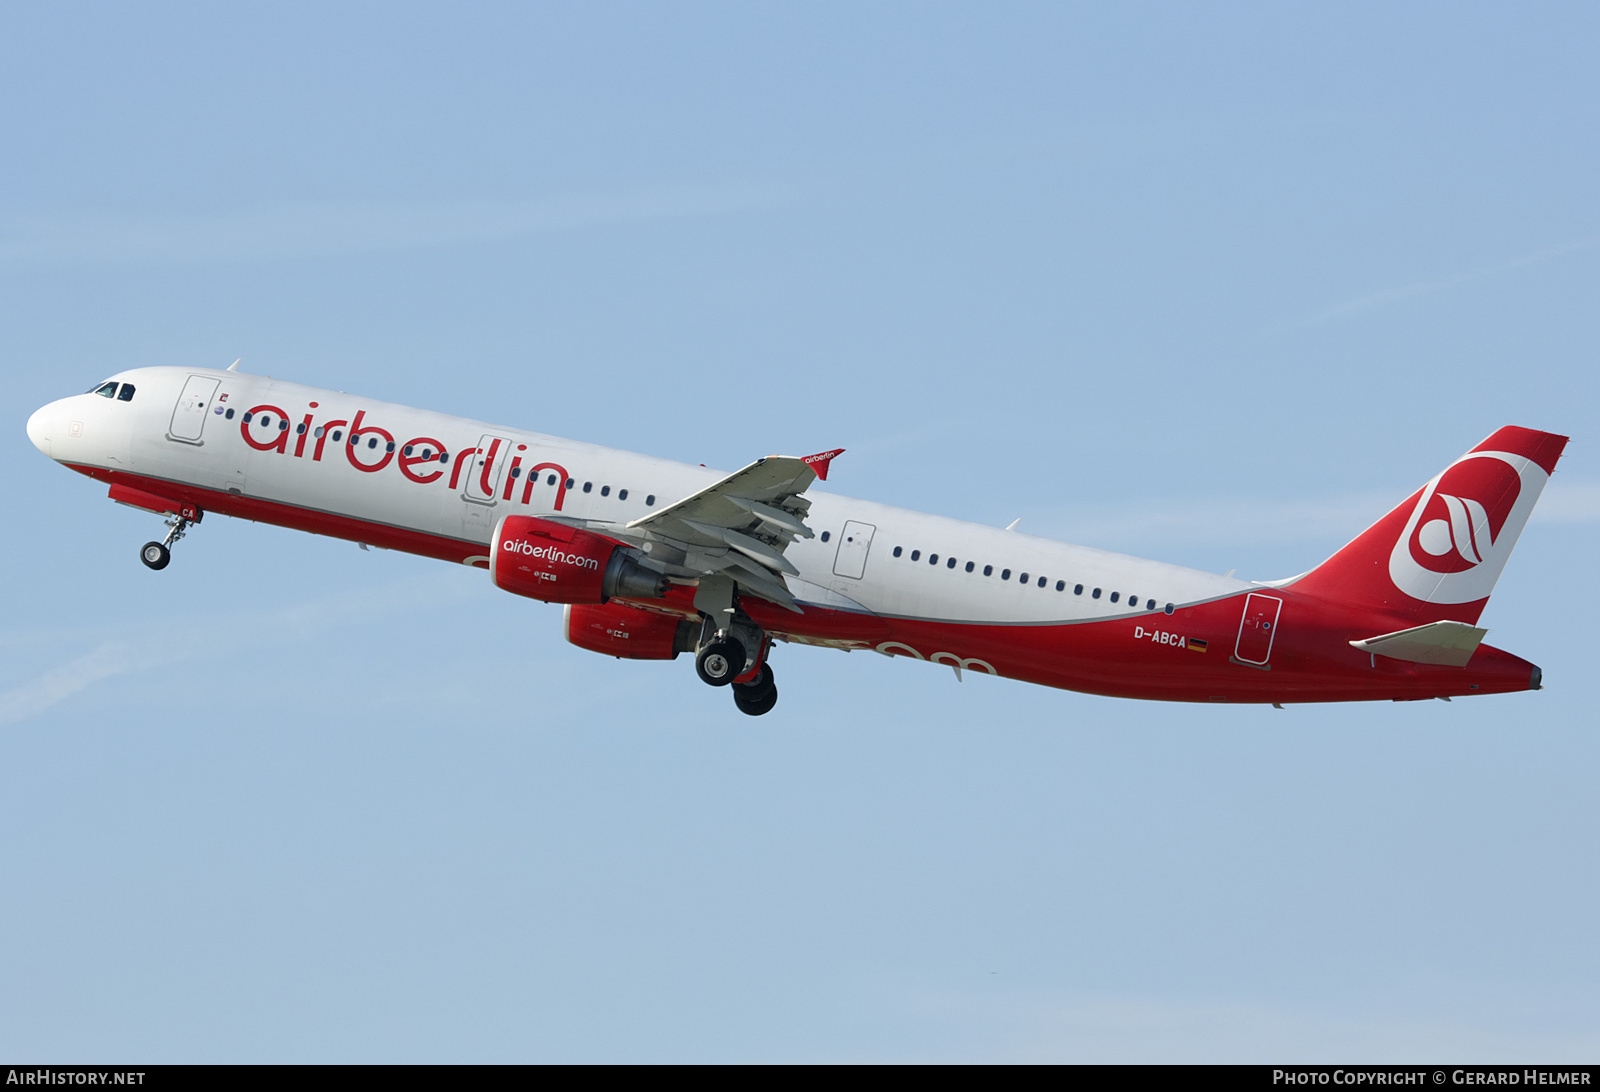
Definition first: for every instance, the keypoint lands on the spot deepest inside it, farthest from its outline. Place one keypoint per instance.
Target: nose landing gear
(155, 555)
(158, 555)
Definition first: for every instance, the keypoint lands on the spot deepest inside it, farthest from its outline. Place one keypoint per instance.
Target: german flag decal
(1196, 645)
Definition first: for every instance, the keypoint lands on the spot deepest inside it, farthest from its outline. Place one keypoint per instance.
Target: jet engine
(628, 633)
(561, 564)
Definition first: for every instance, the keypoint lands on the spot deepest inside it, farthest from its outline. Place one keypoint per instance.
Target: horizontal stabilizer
(1449, 643)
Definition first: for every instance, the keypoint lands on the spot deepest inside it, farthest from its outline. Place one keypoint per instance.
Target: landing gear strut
(158, 555)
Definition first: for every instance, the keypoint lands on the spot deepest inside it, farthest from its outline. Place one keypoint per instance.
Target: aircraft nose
(40, 427)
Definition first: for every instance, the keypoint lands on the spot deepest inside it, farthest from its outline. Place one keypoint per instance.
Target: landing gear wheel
(757, 696)
(154, 555)
(720, 662)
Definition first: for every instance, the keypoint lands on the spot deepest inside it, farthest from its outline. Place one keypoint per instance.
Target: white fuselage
(885, 567)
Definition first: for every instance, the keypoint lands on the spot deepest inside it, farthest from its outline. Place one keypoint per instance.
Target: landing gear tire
(154, 555)
(720, 662)
(758, 696)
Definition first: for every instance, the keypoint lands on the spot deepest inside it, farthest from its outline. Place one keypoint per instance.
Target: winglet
(819, 462)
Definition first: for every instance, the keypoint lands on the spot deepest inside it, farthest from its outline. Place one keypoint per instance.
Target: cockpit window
(126, 393)
(105, 390)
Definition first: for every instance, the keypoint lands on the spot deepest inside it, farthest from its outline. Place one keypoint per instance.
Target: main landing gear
(720, 662)
(723, 660)
(158, 555)
(757, 696)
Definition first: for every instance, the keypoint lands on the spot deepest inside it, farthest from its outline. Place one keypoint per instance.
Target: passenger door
(194, 406)
(1257, 628)
(489, 462)
(854, 542)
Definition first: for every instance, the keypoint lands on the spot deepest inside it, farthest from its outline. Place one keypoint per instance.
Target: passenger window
(650, 500)
(1114, 596)
(950, 564)
(247, 418)
(916, 555)
(988, 570)
(571, 482)
(1095, 594)
(372, 443)
(1077, 589)
(824, 536)
(1023, 579)
(266, 419)
(283, 425)
(444, 456)
(337, 435)
(1005, 574)
(622, 494)
(933, 559)
(605, 490)
(588, 487)
(897, 551)
(229, 414)
(1149, 604)
(1041, 581)
(1169, 608)
(107, 390)
(970, 566)
(300, 429)
(126, 393)
(516, 472)
(317, 432)
(551, 480)
(407, 451)
(1061, 585)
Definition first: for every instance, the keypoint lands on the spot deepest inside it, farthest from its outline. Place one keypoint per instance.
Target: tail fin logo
(1464, 526)
(1465, 515)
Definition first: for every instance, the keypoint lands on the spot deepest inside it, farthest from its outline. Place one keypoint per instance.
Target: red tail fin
(1438, 555)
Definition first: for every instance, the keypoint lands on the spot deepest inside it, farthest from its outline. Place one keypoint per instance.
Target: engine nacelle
(629, 633)
(560, 564)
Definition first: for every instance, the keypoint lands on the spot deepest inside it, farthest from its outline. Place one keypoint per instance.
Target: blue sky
(1213, 285)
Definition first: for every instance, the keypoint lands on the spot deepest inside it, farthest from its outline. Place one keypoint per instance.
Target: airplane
(652, 558)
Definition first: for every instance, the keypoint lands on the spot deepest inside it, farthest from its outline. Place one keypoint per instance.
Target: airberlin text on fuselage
(273, 423)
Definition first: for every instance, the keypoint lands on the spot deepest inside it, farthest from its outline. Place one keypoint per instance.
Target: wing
(738, 527)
